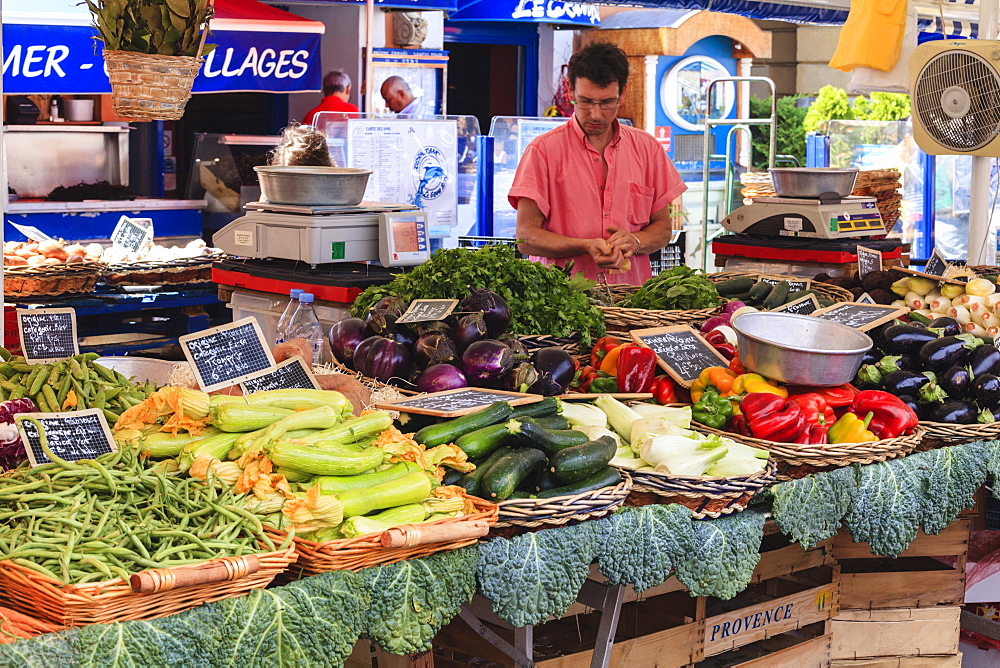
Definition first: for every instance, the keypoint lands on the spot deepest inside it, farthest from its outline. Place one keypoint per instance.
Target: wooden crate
(915, 579)
(901, 632)
(941, 661)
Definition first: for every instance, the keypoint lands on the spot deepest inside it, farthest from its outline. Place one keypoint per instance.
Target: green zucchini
(520, 494)
(759, 292)
(605, 477)
(552, 422)
(530, 434)
(545, 407)
(507, 473)
(481, 442)
(450, 430)
(777, 295)
(471, 482)
(734, 286)
(576, 463)
(451, 477)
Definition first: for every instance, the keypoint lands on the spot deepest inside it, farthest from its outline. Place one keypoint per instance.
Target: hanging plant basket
(150, 87)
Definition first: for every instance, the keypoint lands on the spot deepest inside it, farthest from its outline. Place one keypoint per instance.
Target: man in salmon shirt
(592, 190)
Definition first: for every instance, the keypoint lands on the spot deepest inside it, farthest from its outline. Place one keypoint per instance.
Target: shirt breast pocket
(640, 204)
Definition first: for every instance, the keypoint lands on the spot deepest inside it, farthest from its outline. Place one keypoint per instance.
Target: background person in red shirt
(337, 92)
(592, 190)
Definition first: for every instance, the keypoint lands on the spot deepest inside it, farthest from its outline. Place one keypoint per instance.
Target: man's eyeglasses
(606, 105)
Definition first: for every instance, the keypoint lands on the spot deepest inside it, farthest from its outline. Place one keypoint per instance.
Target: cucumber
(520, 494)
(451, 477)
(777, 295)
(581, 461)
(530, 434)
(605, 477)
(507, 473)
(545, 481)
(450, 430)
(472, 481)
(545, 407)
(480, 443)
(734, 286)
(799, 294)
(758, 292)
(552, 422)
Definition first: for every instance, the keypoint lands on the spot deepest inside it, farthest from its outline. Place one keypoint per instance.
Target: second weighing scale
(395, 235)
(837, 218)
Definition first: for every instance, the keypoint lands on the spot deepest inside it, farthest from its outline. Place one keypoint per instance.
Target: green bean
(27, 563)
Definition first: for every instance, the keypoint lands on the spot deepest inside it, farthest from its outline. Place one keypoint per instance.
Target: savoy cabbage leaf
(49, 650)
(887, 509)
(809, 510)
(536, 575)
(641, 544)
(952, 475)
(725, 553)
(413, 599)
(992, 449)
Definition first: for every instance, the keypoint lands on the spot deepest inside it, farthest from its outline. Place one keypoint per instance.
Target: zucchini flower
(313, 511)
(453, 492)
(449, 455)
(402, 447)
(206, 467)
(171, 408)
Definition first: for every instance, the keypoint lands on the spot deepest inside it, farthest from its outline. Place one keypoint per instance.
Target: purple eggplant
(903, 382)
(555, 370)
(955, 380)
(906, 339)
(954, 412)
(948, 326)
(493, 307)
(486, 362)
(345, 335)
(434, 348)
(985, 390)
(469, 329)
(441, 377)
(382, 359)
(984, 359)
(391, 304)
(947, 351)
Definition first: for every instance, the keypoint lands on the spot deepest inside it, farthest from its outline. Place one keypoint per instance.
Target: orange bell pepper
(718, 377)
(609, 364)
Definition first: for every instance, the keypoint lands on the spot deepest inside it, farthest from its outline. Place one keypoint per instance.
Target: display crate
(930, 572)
(946, 661)
(888, 635)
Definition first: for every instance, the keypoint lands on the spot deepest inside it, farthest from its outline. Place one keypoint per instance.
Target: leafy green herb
(541, 299)
(162, 27)
(678, 288)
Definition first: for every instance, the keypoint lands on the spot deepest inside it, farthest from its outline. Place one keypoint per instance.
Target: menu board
(794, 284)
(802, 306)
(683, 353)
(71, 436)
(47, 334)
(428, 310)
(132, 233)
(227, 355)
(453, 403)
(860, 316)
(291, 374)
(869, 260)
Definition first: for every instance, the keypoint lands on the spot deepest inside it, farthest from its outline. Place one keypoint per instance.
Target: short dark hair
(336, 81)
(601, 62)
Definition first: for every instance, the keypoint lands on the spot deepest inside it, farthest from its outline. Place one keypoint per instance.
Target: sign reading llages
(533, 11)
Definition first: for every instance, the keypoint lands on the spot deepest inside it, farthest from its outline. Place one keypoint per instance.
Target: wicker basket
(171, 272)
(34, 594)
(559, 510)
(149, 87)
(960, 433)
(50, 280)
(831, 292)
(619, 319)
(706, 497)
(570, 344)
(796, 460)
(353, 554)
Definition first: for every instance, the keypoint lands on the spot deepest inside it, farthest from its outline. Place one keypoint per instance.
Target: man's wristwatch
(638, 244)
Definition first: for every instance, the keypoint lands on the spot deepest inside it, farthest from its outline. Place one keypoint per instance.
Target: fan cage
(979, 79)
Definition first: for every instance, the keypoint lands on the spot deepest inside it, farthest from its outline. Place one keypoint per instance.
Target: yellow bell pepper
(750, 383)
(718, 377)
(851, 429)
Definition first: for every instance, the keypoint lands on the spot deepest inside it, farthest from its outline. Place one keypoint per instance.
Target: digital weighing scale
(836, 218)
(396, 235)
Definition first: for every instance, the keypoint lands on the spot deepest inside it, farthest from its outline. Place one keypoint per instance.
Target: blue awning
(528, 11)
(260, 49)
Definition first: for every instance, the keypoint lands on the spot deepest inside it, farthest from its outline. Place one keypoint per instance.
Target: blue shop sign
(527, 11)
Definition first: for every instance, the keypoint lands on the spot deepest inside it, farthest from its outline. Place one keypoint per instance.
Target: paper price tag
(30, 231)
(132, 233)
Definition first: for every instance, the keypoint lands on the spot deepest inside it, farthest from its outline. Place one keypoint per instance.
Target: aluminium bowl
(799, 349)
(313, 186)
(140, 369)
(812, 182)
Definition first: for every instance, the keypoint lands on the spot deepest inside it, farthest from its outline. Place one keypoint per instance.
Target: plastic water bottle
(304, 324)
(286, 315)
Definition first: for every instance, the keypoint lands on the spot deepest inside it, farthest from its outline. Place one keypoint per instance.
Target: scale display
(791, 217)
(403, 238)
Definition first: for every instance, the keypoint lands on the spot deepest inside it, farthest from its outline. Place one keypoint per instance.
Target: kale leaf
(952, 475)
(642, 543)
(887, 509)
(809, 509)
(49, 650)
(726, 551)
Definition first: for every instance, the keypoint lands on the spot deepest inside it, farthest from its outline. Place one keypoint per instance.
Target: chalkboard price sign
(453, 403)
(794, 284)
(71, 436)
(860, 316)
(936, 265)
(682, 352)
(288, 375)
(227, 355)
(427, 310)
(801, 306)
(47, 334)
(865, 298)
(869, 260)
(132, 233)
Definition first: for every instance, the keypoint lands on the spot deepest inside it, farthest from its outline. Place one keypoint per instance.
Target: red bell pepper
(720, 343)
(773, 418)
(602, 347)
(836, 397)
(736, 366)
(815, 408)
(891, 417)
(664, 391)
(586, 377)
(636, 368)
(740, 425)
(814, 434)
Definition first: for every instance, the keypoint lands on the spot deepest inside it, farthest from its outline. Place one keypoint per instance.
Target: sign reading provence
(527, 11)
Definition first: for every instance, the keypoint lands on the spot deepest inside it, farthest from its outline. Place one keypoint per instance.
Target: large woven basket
(516, 514)
(960, 433)
(34, 594)
(571, 344)
(796, 460)
(149, 87)
(831, 292)
(50, 280)
(705, 497)
(353, 554)
(620, 320)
